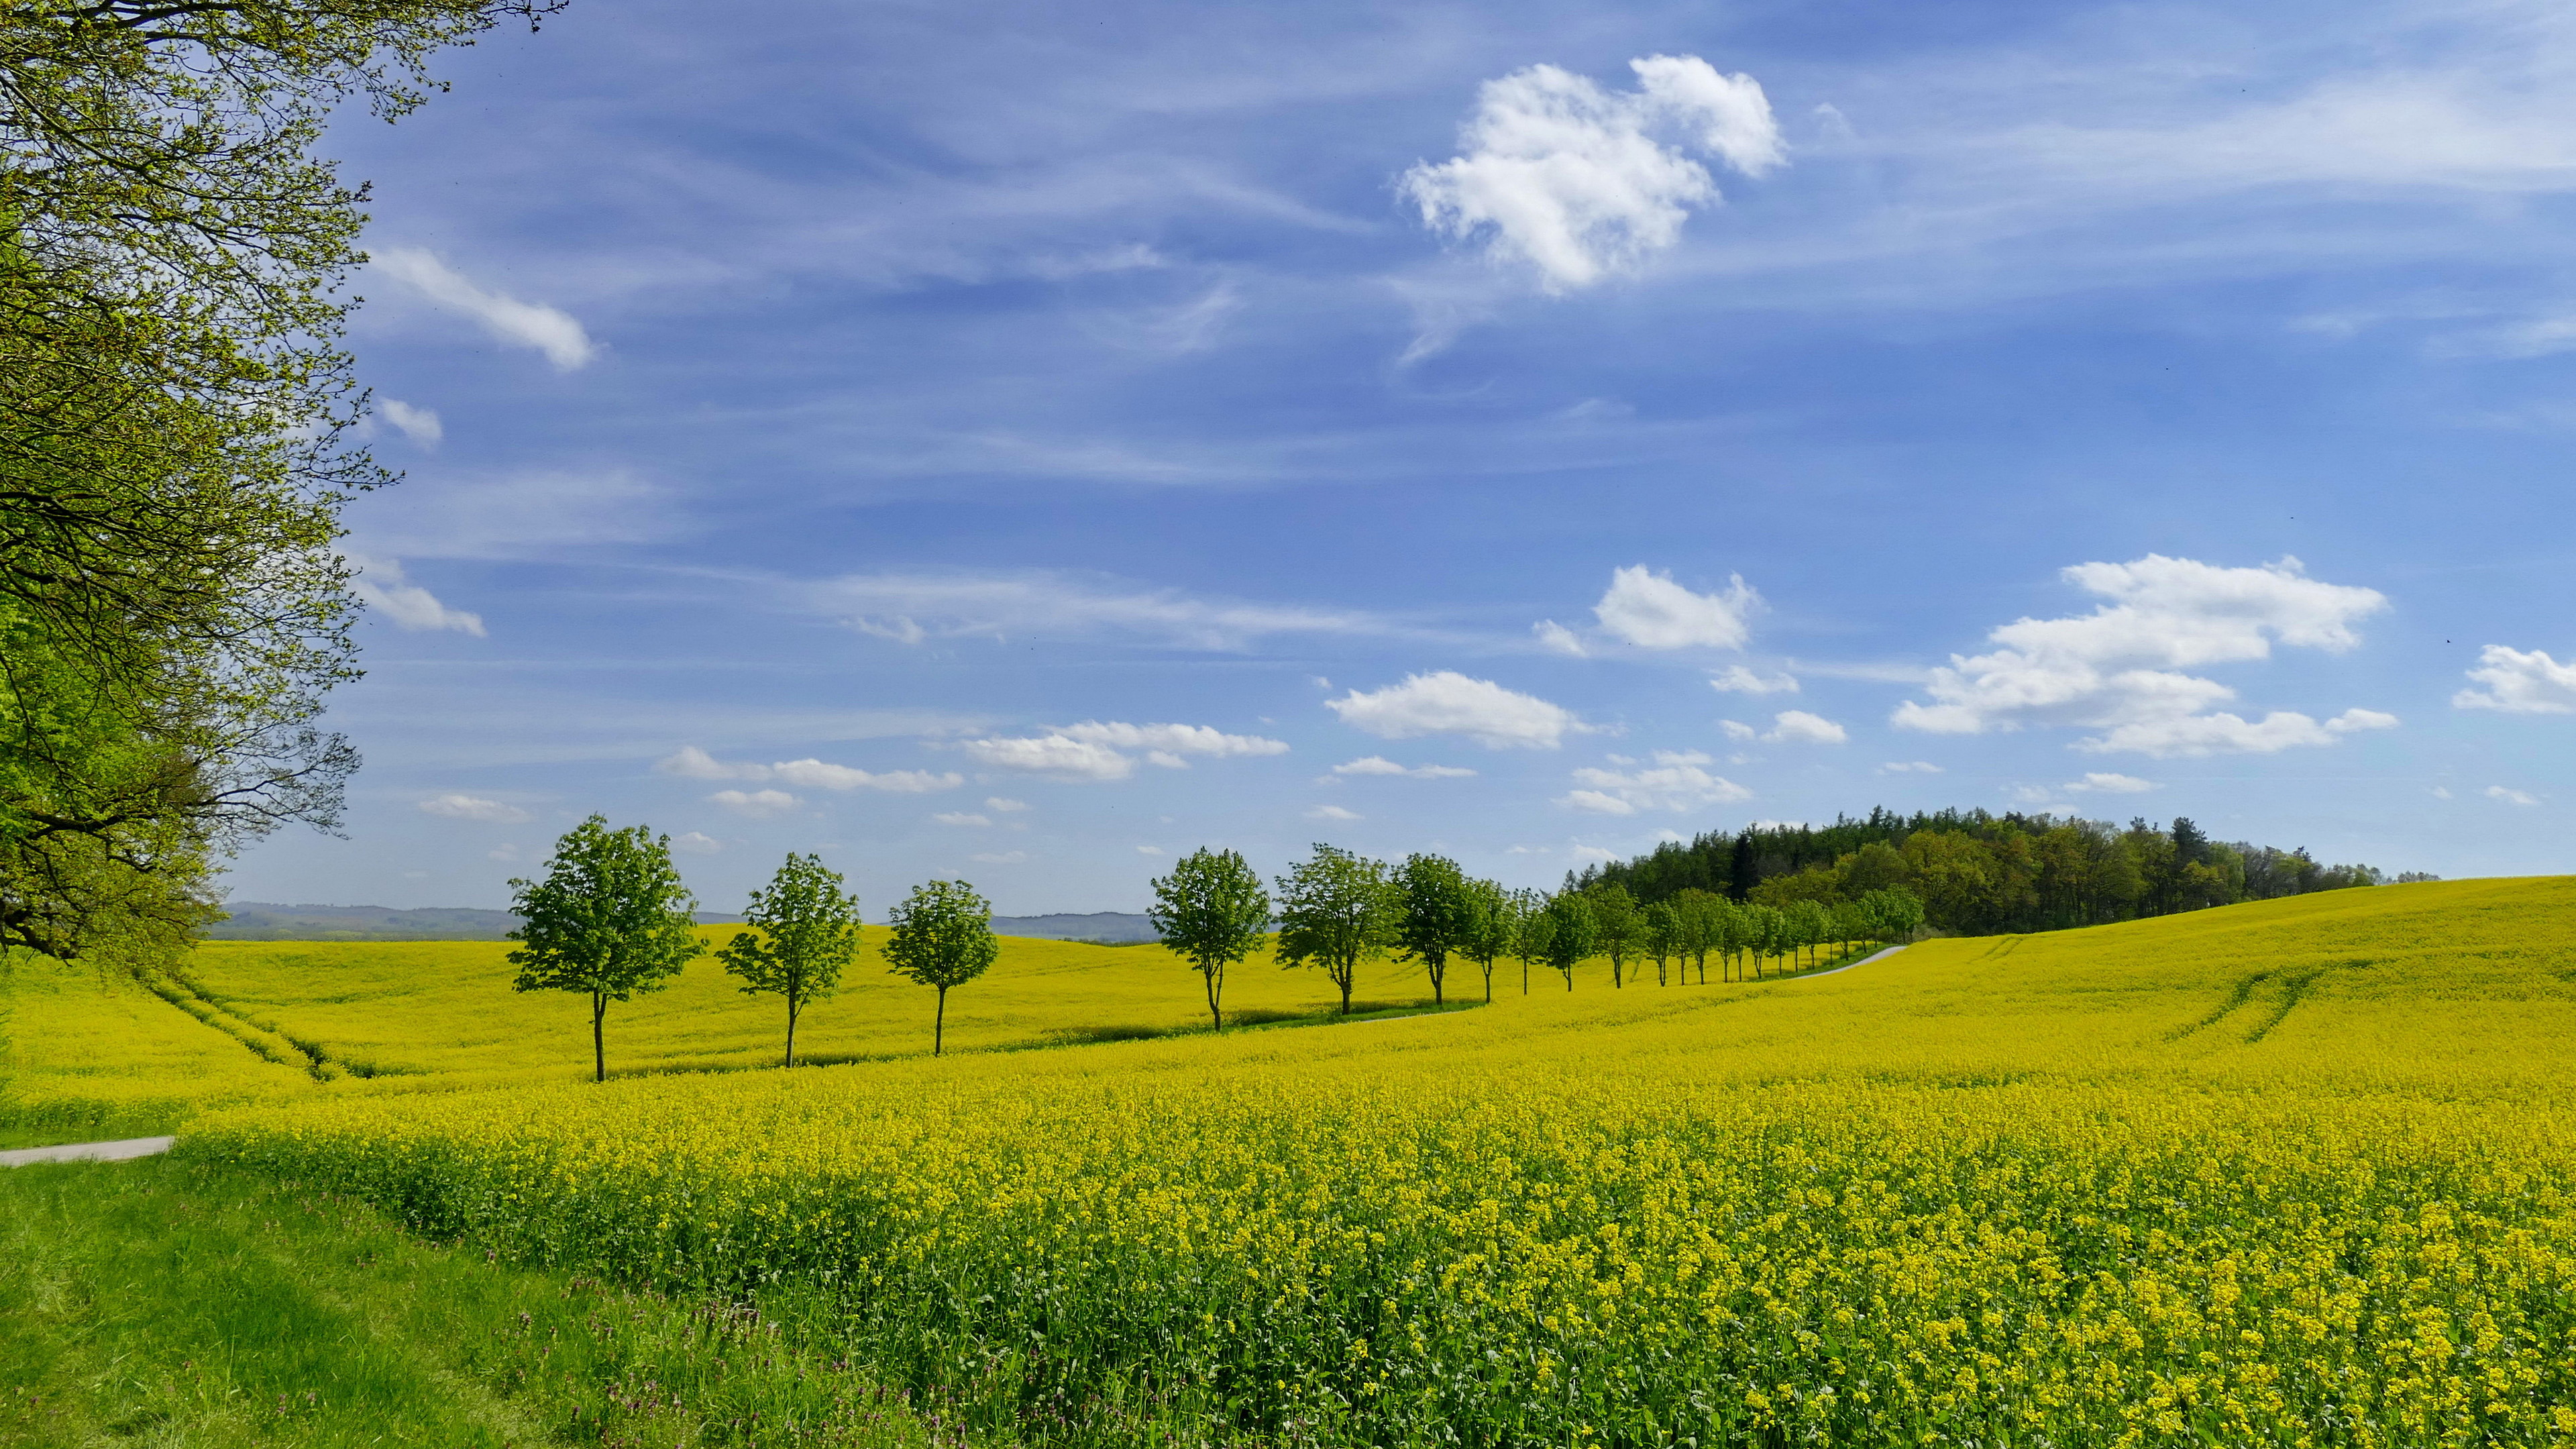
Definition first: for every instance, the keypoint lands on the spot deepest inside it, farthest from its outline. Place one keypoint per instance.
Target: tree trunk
(791, 1032)
(1437, 974)
(1215, 988)
(939, 1022)
(598, 1043)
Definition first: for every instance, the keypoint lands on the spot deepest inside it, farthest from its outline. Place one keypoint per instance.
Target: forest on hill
(1978, 873)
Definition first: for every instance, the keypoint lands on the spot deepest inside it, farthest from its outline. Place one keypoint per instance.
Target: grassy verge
(164, 1303)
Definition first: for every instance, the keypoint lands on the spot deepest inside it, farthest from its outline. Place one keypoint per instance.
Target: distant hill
(1115, 927)
(271, 921)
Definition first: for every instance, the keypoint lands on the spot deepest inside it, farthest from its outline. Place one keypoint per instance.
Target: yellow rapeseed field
(2287, 1173)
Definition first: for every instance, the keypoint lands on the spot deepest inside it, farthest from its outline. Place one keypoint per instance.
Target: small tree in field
(1335, 911)
(1212, 912)
(1619, 927)
(1810, 926)
(1489, 929)
(804, 932)
(942, 937)
(1434, 915)
(1695, 913)
(610, 919)
(1531, 930)
(1572, 931)
(1663, 938)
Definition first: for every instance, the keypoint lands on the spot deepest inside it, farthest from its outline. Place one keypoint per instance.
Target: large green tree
(804, 933)
(1571, 930)
(1211, 912)
(610, 920)
(942, 937)
(1490, 929)
(175, 415)
(1435, 915)
(1335, 911)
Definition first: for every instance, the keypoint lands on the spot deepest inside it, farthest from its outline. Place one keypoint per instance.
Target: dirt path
(1839, 970)
(131, 1147)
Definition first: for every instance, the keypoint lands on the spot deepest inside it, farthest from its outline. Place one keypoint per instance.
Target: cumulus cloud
(1381, 765)
(1674, 782)
(758, 804)
(1647, 609)
(1004, 805)
(1577, 183)
(1909, 767)
(1447, 702)
(1092, 750)
(1333, 812)
(2520, 683)
(2120, 669)
(1740, 680)
(1555, 638)
(381, 585)
(1736, 729)
(690, 762)
(961, 817)
(421, 425)
(2511, 797)
(2105, 783)
(1797, 727)
(522, 324)
(453, 806)
(696, 842)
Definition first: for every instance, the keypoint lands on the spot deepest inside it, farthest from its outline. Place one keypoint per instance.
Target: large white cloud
(2119, 670)
(1674, 781)
(758, 804)
(454, 806)
(690, 762)
(1093, 749)
(2520, 683)
(526, 324)
(1739, 680)
(1578, 183)
(1447, 702)
(1647, 609)
(1798, 727)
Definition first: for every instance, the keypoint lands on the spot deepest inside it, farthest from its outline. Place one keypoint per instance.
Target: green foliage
(942, 937)
(1336, 910)
(1490, 928)
(174, 448)
(1570, 930)
(1618, 926)
(609, 920)
(1435, 914)
(1212, 912)
(804, 932)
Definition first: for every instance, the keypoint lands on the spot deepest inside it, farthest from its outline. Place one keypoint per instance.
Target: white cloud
(1333, 812)
(1000, 803)
(1649, 610)
(1381, 765)
(1667, 786)
(1578, 183)
(1555, 638)
(1447, 702)
(2520, 683)
(1740, 680)
(696, 842)
(2119, 669)
(1909, 767)
(2511, 797)
(1736, 729)
(1090, 750)
(525, 324)
(421, 425)
(1681, 757)
(2030, 794)
(452, 806)
(1526, 850)
(1797, 727)
(1008, 857)
(690, 762)
(2441, 793)
(914, 608)
(380, 584)
(1149, 850)
(758, 804)
(960, 817)
(2105, 783)
(1593, 852)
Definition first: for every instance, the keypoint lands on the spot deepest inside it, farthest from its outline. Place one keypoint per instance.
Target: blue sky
(1026, 444)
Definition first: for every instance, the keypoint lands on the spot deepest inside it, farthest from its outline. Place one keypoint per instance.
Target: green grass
(162, 1304)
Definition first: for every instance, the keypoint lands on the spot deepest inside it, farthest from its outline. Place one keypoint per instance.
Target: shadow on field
(1252, 1019)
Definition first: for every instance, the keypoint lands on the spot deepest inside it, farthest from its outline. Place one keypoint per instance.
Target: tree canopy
(610, 920)
(804, 932)
(1212, 912)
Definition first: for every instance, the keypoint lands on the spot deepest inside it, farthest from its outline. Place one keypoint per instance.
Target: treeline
(1979, 873)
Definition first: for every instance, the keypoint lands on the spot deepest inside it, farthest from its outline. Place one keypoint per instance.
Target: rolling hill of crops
(2288, 1173)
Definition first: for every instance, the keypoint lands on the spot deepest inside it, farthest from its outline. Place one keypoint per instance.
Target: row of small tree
(611, 920)
(1336, 910)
